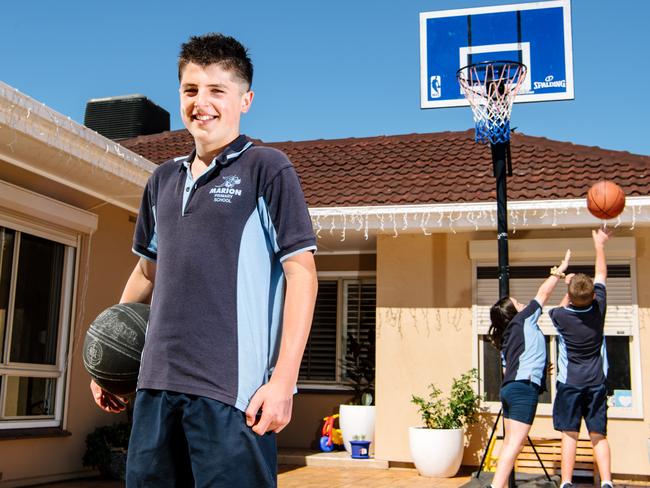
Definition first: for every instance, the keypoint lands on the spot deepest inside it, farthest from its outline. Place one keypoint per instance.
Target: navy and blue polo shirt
(219, 243)
(523, 348)
(582, 359)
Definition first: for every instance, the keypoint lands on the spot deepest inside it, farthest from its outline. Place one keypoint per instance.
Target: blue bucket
(360, 449)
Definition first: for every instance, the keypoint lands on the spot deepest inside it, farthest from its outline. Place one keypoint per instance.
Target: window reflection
(29, 396)
(38, 296)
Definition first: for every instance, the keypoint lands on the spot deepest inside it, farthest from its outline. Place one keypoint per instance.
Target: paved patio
(318, 477)
(335, 477)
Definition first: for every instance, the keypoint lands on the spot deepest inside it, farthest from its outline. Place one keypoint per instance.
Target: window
(344, 308)
(621, 330)
(36, 276)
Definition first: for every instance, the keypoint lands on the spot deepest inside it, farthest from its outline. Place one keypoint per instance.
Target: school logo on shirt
(226, 191)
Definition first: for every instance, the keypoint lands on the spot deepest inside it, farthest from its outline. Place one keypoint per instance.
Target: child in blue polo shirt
(225, 244)
(514, 331)
(582, 365)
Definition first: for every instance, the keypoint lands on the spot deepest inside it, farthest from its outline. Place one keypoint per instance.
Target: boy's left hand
(275, 400)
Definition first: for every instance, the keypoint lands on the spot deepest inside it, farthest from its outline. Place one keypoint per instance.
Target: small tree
(460, 409)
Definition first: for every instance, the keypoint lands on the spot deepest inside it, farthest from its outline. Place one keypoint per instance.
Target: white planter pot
(436, 452)
(359, 421)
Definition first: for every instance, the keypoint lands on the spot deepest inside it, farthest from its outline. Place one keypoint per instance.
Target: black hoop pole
(499, 158)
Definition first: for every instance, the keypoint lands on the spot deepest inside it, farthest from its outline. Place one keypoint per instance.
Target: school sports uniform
(523, 352)
(215, 325)
(582, 365)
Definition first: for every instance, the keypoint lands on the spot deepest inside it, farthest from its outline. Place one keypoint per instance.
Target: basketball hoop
(490, 88)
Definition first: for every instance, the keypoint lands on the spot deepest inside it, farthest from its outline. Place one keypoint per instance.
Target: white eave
(43, 141)
(453, 217)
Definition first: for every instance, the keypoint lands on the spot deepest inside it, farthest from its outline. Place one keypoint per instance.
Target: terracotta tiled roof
(445, 167)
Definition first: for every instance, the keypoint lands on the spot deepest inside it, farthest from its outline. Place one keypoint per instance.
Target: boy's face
(212, 101)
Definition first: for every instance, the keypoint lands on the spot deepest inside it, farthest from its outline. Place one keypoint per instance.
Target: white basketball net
(490, 89)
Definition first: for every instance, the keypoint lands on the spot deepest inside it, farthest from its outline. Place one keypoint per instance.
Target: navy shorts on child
(225, 451)
(519, 400)
(572, 403)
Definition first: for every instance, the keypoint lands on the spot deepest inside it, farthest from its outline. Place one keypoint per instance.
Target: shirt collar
(231, 152)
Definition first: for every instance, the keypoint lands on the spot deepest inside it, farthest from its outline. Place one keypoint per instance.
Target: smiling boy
(225, 244)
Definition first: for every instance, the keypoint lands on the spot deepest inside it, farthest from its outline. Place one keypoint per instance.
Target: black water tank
(125, 116)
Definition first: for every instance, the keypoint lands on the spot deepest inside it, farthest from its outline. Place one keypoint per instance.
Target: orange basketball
(605, 200)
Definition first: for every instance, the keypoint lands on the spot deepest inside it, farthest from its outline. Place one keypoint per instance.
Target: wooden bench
(550, 452)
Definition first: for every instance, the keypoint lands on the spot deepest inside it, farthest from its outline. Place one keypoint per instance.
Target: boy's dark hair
(581, 290)
(217, 49)
(501, 313)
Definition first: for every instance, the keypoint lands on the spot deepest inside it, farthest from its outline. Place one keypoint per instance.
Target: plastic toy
(330, 437)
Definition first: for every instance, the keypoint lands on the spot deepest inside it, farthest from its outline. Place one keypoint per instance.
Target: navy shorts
(572, 403)
(182, 441)
(519, 400)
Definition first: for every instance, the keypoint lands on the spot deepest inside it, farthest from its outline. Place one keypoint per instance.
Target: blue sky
(341, 68)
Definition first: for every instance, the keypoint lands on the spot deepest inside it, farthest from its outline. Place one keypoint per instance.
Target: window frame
(24, 211)
(624, 255)
(341, 327)
(59, 370)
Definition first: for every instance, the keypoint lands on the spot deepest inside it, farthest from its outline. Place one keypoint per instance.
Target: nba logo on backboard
(436, 89)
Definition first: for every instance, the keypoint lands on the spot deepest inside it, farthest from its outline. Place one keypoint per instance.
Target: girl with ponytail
(515, 333)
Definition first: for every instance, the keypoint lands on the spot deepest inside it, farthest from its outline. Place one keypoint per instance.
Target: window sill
(325, 388)
(37, 433)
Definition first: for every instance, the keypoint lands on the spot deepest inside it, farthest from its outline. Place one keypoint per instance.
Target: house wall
(424, 335)
(105, 262)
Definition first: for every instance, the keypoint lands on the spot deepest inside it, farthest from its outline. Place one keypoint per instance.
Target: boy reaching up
(582, 365)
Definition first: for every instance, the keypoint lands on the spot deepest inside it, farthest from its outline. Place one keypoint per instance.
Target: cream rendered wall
(101, 277)
(424, 335)
(424, 329)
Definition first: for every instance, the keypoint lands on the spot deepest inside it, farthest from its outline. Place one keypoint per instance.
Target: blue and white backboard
(536, 34)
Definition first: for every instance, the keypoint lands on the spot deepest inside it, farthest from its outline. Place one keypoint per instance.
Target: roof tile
(445, 167)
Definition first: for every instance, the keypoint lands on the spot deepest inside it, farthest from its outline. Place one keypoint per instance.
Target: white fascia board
(451, 217)
(88, 161)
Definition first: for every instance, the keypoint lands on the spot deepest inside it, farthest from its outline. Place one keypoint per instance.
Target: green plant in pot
(359, 366)
(358, 417)
(437, 448)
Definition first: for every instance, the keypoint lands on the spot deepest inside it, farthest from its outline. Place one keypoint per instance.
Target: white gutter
(43, 141)
(452, 217)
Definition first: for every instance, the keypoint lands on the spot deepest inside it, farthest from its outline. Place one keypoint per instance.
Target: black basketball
(113, 346)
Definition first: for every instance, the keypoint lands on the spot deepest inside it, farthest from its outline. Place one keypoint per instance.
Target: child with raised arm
(514, 331)
(582, 365)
